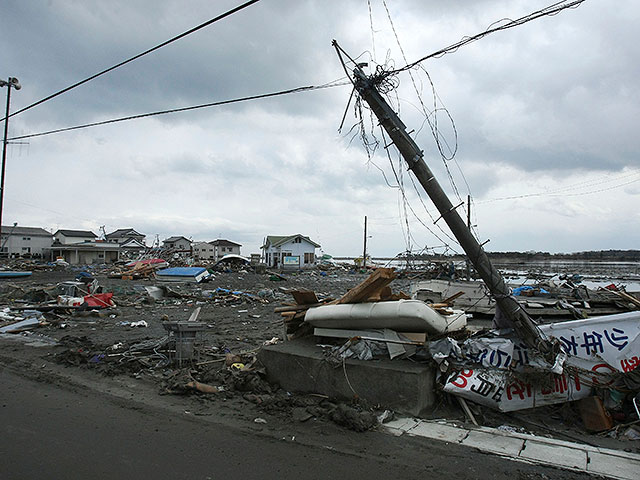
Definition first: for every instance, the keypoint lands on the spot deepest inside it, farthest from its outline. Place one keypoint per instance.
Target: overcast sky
(545, 115)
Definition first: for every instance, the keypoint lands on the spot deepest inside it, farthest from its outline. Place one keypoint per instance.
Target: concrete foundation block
(399, 385)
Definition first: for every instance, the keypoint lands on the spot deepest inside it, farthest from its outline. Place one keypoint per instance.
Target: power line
(562, 191)
(185, 109)
(177, 37)
(553, 9)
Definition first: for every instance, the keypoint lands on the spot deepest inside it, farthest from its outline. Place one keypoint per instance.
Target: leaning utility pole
(468, 263)
(508, 306)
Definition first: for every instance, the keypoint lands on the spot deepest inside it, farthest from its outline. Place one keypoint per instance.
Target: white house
(86, 253)
(131, 246)
(225, 247)
(204, 251)
(24, 241)
(70, 237)
(293, 251)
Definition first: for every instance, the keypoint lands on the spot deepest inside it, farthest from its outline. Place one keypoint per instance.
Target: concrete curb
(526, 448)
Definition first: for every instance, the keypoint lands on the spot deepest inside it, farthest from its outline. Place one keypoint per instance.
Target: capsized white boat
(400, 315)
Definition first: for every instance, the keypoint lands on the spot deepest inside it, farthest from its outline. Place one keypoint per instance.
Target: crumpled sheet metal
(498, 368)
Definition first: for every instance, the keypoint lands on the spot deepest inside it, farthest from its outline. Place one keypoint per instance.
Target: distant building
(204, 251)
(225, 247)
(24, 241)
(86, 253)
(180, 245)
(70, 237)
(125, 235)
(293, 251)
(132, 247)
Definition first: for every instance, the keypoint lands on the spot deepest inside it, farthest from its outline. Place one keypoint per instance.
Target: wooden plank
(449, 300)
(381, 295)
(297, 308)
(304, 297)
(375, 282)
(415, 337)
(627, 297)
(399, 296)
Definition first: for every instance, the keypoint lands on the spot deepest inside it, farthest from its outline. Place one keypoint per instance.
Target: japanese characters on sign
(596, 348)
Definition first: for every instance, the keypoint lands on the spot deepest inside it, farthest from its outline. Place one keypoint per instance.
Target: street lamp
(11, 82)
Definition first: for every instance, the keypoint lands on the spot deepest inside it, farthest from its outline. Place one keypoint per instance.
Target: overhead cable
(177, 37)
(553, 9)
(184, 109)
(562, 192)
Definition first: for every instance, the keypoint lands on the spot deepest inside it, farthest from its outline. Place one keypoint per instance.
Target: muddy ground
(102, 349)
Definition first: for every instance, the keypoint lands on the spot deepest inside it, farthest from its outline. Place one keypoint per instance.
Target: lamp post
(11, 82)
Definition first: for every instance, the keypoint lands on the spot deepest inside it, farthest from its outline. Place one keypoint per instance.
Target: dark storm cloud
(260, 49)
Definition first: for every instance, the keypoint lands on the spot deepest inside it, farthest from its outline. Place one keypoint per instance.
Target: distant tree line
(593, 255)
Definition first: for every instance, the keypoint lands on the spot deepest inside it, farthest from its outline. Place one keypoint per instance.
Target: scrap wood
(379, 279)
(297, 308)
(442, 308)
(381, 295)
(290, 316)
(399, 296)
(467, 410)
(385, 295)
(448, 301)
(627, 297)
(138, 271)
(304, 297)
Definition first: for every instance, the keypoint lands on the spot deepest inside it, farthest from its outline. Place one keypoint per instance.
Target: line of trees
(593, 255)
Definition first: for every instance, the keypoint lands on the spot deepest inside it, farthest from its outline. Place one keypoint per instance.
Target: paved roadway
(53, 432)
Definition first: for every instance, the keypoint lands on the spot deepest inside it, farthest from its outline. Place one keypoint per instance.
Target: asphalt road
(55, 432)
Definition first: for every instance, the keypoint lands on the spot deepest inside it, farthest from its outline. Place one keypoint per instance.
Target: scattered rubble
(237, 318)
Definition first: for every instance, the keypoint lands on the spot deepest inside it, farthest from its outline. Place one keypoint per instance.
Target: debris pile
(371, 318)
(137, 270)
(543, 299)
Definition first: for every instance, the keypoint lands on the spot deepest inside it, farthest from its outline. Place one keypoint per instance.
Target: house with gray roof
(82, 247)
(68, 237)
(290, 251)
(24, 241)
(178, 245)
(125, 235)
